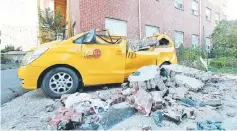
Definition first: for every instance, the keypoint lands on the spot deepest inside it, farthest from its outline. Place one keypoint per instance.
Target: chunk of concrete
(127, 92)
(157, 100)
(147, 77)
(173, 116)
(191, 83)
(115, 115)
(213, 102)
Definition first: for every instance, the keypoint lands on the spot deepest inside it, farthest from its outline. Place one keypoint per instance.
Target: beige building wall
(19, 23)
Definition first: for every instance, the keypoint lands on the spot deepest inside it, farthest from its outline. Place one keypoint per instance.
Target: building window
(217, 18)
(179, 38)
(208, 14)
(150, 30)
(178, 4)
(194, 40)
(208, 44)
(116, 27)
(194, 7)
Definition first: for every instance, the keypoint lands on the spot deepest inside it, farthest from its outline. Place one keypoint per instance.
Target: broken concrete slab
(189, 102)
(147, 77)
(115, 114)
(178, 93)
(127, 92)
(191, 83)
(213, 102)
(173, 116)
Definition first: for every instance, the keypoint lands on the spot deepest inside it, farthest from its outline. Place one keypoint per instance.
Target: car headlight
(29, 58)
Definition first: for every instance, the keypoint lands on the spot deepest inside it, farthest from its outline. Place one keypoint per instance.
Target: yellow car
(89, 58)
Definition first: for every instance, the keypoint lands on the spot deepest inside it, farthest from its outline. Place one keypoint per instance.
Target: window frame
(151, 26)
(197, 37)
(209, 14)
(197, 3)
(118, 20)
(176, 6)
(175, 44)
(219, 17)
(208, 45)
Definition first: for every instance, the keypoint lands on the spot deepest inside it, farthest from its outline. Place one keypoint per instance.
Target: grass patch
(232, 70)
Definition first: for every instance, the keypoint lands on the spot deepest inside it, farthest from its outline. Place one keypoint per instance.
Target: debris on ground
(154, 98)
(209, 125)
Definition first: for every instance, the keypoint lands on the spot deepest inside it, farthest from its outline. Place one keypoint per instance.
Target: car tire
(59, 81)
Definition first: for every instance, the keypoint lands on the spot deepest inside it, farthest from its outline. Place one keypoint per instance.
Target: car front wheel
(59, 81)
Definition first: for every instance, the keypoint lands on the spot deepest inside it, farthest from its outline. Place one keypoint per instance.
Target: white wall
(19, 23)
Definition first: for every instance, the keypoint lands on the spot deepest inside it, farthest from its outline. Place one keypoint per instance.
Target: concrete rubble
(164, 93)
(168, 97)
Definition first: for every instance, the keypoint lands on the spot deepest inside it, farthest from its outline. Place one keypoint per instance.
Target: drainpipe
(200, 22)
(139, 19)
(68, 19)
(39, 41)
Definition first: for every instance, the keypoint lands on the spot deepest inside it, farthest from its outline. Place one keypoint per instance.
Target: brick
(76, 117)
(162, 14)
(61, 118)
(53, 124)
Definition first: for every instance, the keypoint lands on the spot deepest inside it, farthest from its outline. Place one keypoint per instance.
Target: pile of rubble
(137, 45)
(168, 93)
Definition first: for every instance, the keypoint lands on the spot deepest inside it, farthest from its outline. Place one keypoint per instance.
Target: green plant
(191, 53)
(190, 56)
(50, 24)
(224, 39)
(224, 62)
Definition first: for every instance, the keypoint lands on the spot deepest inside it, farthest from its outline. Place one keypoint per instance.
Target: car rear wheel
(59, 81)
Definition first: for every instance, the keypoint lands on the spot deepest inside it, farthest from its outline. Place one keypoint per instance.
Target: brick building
(184, 20)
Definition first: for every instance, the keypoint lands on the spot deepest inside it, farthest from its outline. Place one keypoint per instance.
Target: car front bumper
(29, 75)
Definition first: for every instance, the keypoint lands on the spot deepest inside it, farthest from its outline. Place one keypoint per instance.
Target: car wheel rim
(61, 82)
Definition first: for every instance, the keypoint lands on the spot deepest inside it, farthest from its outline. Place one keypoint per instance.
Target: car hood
(48, 45)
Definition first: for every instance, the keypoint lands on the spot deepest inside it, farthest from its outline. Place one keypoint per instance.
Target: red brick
(56, 118)
(90, 14)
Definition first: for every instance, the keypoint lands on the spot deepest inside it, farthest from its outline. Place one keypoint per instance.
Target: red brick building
(185, 21)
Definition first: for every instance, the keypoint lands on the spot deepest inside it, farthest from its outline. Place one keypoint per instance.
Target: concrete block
(157, 100)
(173, 116)
(76, 117)
(147, 77)
(213, 102)
(127, 92)
(191, 83)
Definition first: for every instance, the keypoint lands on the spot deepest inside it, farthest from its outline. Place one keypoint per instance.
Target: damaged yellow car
(90, 58)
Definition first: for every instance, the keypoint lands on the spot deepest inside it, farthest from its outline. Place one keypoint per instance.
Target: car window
(88, 38)
(79, 40)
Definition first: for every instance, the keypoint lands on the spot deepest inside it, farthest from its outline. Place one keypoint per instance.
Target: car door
(104, 63)
(136, 60)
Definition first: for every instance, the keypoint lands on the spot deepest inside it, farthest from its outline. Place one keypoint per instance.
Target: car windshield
(100, 37)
